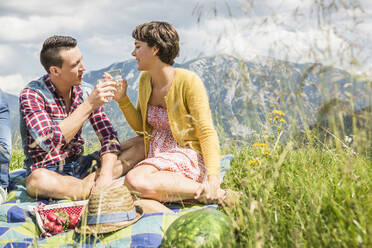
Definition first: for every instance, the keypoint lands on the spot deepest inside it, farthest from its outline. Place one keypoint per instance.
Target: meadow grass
(304, 197)
(17, 160)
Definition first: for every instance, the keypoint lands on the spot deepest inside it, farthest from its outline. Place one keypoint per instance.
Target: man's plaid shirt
(46, 144)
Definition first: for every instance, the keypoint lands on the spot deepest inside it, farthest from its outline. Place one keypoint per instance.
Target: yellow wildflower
(250, 162)
(261, 145)
(282, 120)
(276, 117)
(266, 153)
(281, 113)
(270, 119)
(278, 112)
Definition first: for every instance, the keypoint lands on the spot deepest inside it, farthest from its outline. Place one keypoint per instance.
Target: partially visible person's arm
(5, 142)
(5, 132)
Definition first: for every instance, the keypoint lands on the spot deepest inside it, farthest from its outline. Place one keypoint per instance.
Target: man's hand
(101, 93)
(104, 180)
(208, 191)
(107, 164)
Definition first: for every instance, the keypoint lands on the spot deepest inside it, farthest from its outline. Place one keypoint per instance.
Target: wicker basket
(75, 207)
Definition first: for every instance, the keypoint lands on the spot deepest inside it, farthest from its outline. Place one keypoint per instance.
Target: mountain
(243, 93)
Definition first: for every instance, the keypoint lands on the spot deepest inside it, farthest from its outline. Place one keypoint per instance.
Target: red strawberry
(74, 219)
(57, 229)
(50, 226)
(52, 217)
(61, 220)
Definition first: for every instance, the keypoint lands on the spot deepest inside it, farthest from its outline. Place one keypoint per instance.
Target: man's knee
(36, 180)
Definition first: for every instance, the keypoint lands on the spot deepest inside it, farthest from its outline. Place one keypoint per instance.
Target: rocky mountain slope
(243, 93)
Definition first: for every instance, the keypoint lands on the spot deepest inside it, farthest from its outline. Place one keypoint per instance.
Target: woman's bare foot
(228, 197)
(152, 206)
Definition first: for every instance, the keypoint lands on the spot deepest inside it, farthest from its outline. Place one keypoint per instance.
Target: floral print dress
(166, 154)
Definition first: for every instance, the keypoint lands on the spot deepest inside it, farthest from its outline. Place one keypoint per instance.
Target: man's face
(72, 67)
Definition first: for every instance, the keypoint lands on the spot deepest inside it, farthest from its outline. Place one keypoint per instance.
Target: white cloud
(101, 51)
(12, 83)
(7, 56)
(279, 35)
(108, 46)
(103, 30)
(16, 29)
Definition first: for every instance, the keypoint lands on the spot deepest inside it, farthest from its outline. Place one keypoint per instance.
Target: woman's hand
(208, 192)
(121, 87)
(121, 90)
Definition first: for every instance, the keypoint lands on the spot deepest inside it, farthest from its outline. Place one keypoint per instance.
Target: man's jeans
(5, 142)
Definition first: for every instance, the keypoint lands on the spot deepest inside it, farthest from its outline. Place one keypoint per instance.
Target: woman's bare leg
(148, 206)
(148, 182)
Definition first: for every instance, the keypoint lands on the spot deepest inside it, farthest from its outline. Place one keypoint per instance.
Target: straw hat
(109, 209)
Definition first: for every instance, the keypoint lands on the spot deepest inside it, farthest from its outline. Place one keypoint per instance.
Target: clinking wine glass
(116, 77)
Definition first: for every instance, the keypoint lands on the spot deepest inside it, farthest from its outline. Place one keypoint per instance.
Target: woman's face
(144, 55)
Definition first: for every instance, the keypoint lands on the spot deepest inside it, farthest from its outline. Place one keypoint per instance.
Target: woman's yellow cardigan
(189, 116)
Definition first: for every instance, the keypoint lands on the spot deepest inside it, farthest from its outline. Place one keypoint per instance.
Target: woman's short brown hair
(163, 36)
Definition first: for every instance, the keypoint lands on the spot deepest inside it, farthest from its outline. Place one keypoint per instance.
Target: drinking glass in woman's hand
(121, 84)
(115, 75)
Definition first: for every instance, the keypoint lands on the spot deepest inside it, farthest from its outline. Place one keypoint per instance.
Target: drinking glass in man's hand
(105, 83)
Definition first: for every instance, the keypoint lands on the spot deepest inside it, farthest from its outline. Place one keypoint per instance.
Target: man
(53, 111)
(5, 147)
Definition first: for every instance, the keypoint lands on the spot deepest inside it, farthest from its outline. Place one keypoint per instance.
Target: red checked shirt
(37, 114)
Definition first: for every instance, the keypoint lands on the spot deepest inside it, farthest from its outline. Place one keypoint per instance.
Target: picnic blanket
(18, 226)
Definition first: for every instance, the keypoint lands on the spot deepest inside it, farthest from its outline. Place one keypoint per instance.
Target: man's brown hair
(50, 56)
(162, 35)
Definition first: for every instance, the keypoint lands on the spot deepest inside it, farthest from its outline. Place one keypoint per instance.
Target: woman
(181, 145)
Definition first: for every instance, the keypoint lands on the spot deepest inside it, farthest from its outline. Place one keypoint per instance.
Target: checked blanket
(18, 226)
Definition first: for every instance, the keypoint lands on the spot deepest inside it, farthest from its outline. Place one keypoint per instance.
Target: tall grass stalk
(308, 197)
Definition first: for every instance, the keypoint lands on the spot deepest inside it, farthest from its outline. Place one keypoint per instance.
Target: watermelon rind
(200, 229)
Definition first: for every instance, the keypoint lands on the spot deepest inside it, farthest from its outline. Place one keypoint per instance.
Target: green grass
(17, 160)
(301, 198)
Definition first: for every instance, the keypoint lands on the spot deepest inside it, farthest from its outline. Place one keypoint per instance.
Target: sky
(332, 32)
